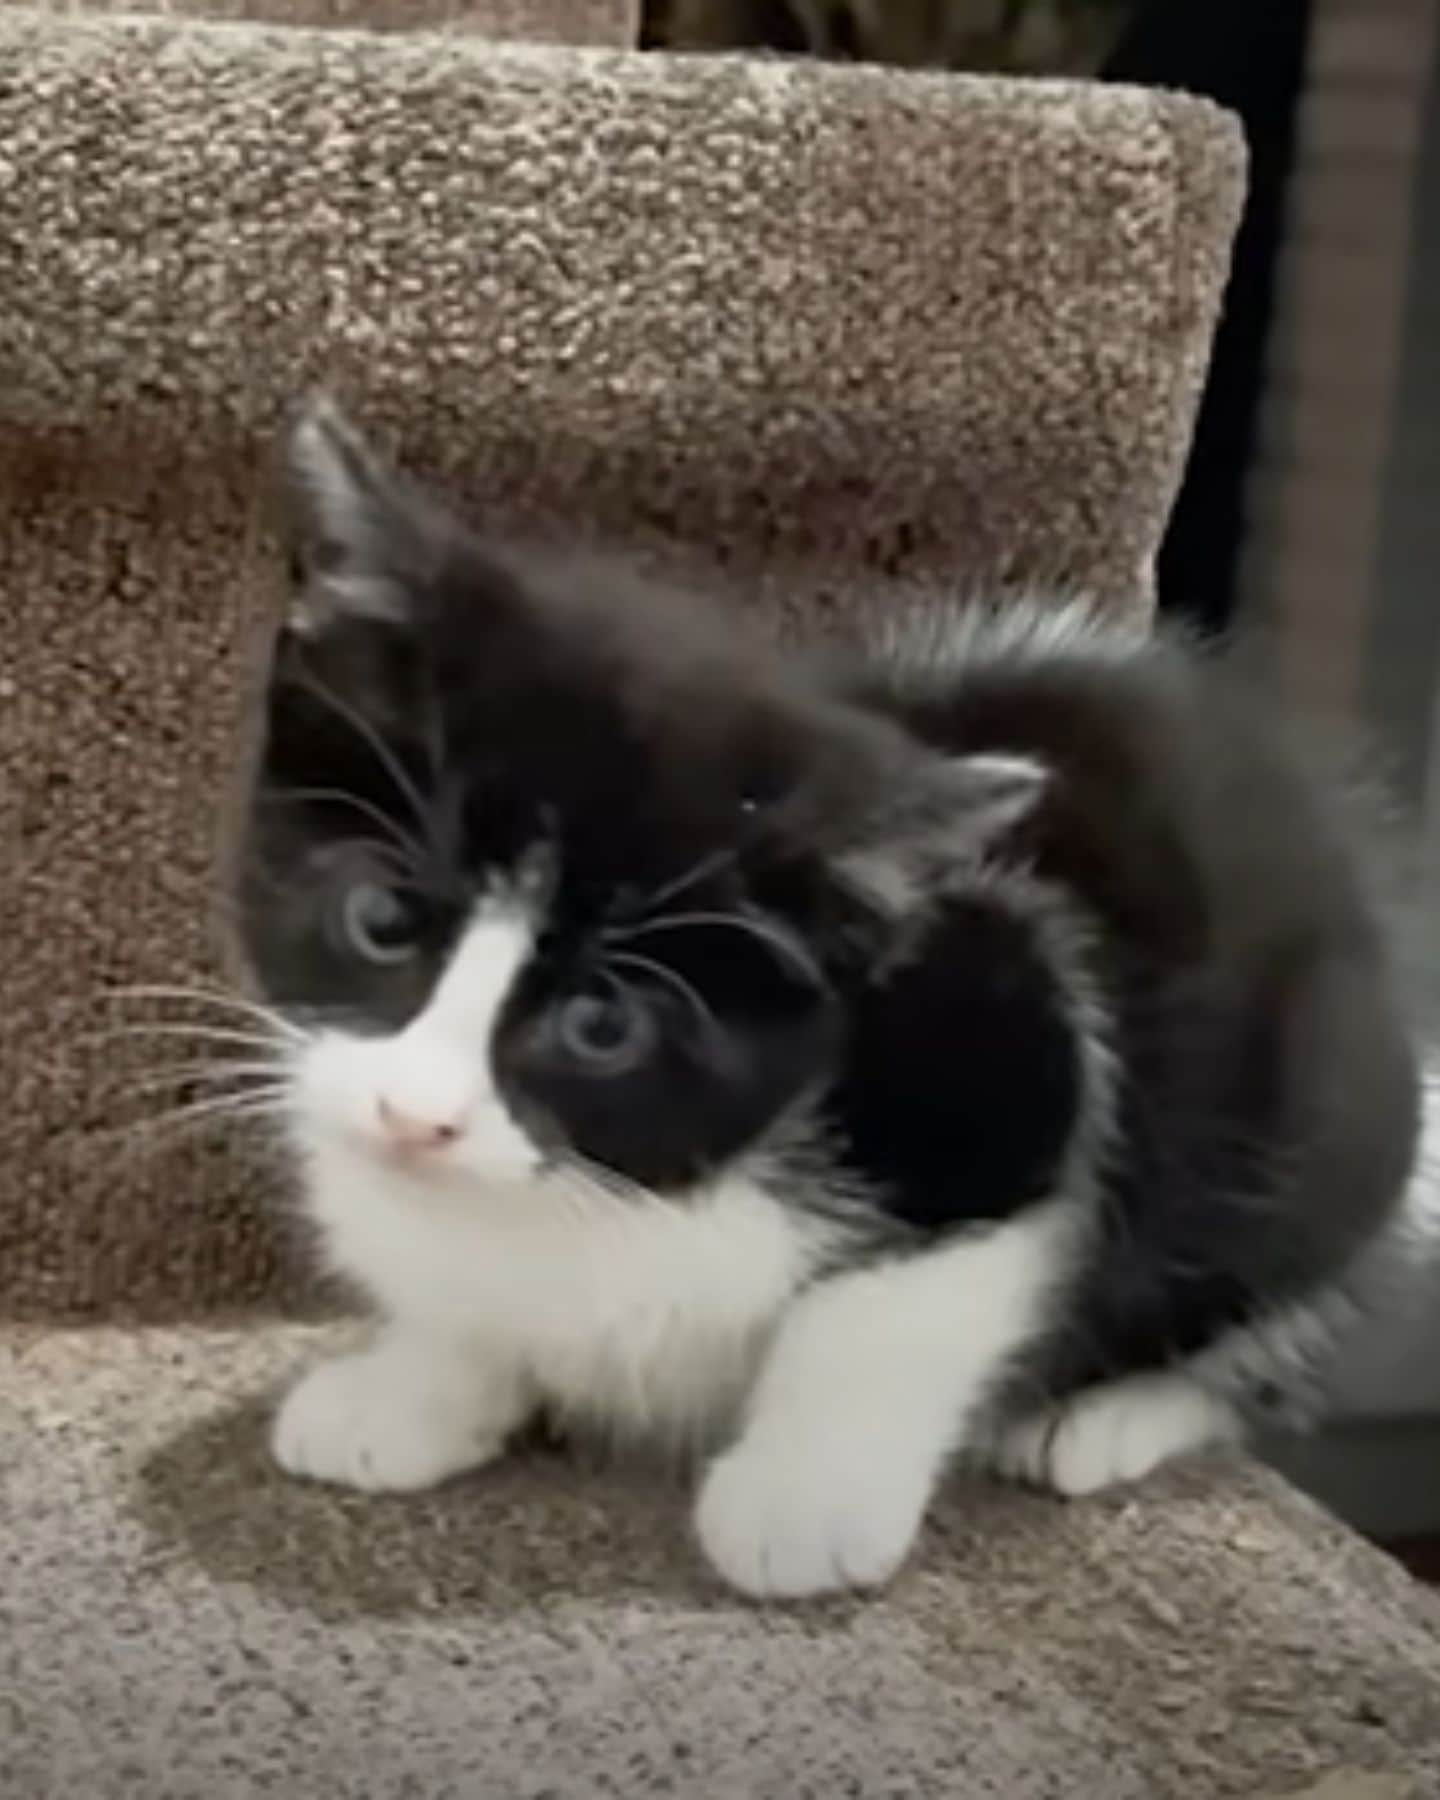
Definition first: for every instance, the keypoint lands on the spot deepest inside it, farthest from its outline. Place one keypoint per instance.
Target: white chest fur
(640, 1317)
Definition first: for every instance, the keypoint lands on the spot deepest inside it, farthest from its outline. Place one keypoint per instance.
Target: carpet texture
(182, 1623)
(817, 336)
(614, 22)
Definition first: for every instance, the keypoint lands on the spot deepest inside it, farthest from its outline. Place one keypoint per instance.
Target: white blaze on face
(638, 1316)
(422, 1100)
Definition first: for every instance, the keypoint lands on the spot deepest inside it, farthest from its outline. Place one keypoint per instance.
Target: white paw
(1112, 1434)
(786, 1526)
(374, 1421)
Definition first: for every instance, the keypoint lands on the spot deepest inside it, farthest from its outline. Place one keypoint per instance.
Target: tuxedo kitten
(981, 1046)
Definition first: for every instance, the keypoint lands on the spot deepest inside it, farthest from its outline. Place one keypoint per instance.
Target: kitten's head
(551, 869)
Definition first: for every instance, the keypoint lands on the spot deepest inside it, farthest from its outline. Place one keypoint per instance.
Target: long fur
(984, 1046)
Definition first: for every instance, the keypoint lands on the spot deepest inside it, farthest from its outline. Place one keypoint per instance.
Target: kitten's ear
(949, 815)
(365, 538)
(964, 803)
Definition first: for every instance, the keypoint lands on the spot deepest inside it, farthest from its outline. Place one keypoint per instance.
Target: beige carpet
(613, 22)
(180, 1622)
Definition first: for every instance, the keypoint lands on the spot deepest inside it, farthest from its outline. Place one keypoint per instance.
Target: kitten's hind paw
(391, 1419)
(1115, 1433)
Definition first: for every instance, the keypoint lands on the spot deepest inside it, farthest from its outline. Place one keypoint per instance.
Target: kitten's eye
(376, 924)
(606, 1034)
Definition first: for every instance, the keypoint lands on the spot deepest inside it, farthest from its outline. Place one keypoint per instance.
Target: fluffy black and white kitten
(981, 1047)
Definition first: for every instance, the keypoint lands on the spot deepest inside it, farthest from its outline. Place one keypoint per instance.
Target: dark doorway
(1250, 58)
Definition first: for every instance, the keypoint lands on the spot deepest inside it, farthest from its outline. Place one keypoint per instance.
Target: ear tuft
(332, 467)
(361, 531)
(949, 818)
(982, 797)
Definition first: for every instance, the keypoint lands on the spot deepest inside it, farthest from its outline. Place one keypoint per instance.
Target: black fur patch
(682, 816)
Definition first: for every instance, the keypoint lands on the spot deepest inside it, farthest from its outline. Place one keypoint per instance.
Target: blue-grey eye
(376, 924)
(608, 1033)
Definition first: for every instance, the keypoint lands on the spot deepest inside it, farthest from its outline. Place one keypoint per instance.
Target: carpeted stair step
(187, 1622)
(613, 22)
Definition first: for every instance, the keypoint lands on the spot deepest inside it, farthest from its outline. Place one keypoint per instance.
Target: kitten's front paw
(790, 1526)
(373, 1421)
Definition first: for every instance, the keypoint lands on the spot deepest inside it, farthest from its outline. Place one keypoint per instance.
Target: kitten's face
(508, 854)
(547, 871)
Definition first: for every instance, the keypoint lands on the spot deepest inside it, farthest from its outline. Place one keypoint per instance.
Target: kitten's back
(1268, 1092)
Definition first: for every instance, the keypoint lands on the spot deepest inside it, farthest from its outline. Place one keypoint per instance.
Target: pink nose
(408, 1132)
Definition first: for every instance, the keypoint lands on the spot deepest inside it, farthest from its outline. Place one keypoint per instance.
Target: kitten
(981, 1046)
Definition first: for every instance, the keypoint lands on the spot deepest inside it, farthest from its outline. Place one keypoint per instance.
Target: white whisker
(165, 1127)
(405, 842)
(382, 752)
(197, 996)
(709, 864)
(216, 1104)
(197, 1034)
(210, 1074)
(584, 1172)
(670, 978)
(760, 930)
